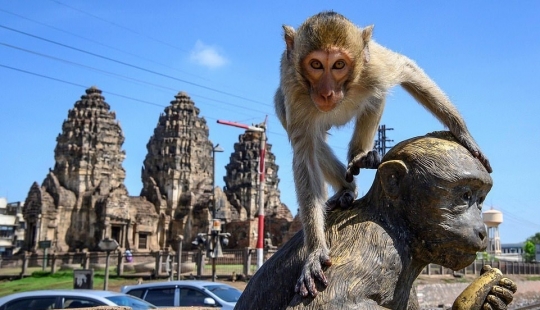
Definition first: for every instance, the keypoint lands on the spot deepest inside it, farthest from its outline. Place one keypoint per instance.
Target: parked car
(186, 293)
(70, 299)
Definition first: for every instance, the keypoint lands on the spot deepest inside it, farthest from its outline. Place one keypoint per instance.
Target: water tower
(492, 219)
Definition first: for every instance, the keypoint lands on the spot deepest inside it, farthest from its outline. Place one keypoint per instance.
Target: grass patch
(57, 281)
(40, 280)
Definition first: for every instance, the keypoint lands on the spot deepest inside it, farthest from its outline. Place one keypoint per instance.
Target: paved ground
(442, 290)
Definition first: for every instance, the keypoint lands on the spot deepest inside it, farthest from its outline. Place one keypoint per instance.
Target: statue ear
(391, 174)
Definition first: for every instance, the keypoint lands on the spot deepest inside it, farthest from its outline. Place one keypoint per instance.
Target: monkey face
(326, 73)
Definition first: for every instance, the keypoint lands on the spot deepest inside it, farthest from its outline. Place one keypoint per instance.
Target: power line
(123, 76)
(132, 65)
(120, 26)
(104, 45)
(108, 92)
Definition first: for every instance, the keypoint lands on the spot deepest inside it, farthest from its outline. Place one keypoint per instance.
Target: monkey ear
(289, 39)
(366, 37)
(391, 174)
(366, 33)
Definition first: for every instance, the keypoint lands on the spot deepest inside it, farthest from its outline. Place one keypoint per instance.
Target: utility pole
(262, 156)
(380, 143)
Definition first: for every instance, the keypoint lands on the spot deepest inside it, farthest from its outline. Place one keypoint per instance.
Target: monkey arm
(334, 172)
(418, 84)
(311, 195)
(279, 105)
(365, 128)
(361, 154)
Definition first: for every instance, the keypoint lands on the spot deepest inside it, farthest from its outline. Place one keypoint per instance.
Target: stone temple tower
(89, 148)
(83, 199)
(177, 172)
(241, 188)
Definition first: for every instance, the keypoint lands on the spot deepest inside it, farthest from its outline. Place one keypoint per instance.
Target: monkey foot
(312, 271)
(370, 160)
(342, 199)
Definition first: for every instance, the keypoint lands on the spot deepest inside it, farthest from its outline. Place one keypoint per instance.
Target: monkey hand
(342, 199)
(369, 160)
(313, 270)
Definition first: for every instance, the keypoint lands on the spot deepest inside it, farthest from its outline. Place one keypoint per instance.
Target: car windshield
(131, 301)
(227, 293)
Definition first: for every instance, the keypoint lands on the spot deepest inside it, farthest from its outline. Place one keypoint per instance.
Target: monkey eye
(315, 64)
(340, 64)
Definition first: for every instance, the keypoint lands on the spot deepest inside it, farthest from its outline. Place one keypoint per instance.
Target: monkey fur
(331, 72)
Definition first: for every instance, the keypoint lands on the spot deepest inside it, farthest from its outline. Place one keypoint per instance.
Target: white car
(70, 299)
(186, 294)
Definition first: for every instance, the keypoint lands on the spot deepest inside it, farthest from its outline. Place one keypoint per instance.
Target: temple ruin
(83, 199)
(241, 188)
(177, 172)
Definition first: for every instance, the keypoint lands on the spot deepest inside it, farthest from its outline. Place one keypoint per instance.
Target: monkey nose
(327, 95)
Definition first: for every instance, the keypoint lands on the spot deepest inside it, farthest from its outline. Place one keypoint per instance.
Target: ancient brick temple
(241, 188)
(83, 199)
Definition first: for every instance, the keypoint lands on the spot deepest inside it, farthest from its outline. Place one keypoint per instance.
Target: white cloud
(207, 56)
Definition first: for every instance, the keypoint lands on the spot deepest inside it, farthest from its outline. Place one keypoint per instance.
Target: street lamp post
(262, 154)
(107, 245)
(180, 238)
(215, 149)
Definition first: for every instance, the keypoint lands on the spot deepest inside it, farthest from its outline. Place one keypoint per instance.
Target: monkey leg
(369, 160)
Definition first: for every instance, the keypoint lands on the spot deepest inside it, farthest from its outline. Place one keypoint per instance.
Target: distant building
(511, 252)
(12, 227)
(512, 248)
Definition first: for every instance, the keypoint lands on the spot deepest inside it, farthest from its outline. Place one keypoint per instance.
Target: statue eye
(481, 199)
(340, 64)
(315, 64)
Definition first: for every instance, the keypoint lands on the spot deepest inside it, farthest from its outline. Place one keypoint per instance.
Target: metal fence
(506, 268)
(195, 264)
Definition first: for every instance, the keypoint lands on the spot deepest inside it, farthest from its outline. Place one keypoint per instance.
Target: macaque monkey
(331, 72)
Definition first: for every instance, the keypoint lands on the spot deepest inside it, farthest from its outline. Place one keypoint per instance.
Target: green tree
(529, 249)
(535, 239)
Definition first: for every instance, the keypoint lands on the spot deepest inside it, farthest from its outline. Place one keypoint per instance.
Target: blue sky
(225, 55)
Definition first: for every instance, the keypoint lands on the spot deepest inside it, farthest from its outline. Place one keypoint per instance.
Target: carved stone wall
(83, 199)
